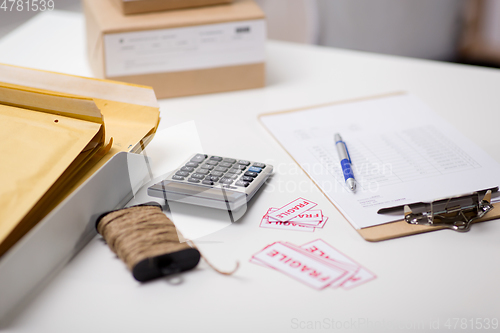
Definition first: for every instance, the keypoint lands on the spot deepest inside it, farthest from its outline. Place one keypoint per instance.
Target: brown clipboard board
(387, 230)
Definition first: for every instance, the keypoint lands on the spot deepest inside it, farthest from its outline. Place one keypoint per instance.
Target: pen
(345, 162)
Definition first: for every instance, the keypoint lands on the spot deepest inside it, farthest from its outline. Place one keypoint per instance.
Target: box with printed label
(145, 6)
(181, 52)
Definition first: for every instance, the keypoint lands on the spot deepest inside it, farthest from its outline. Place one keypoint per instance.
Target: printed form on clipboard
(401, 151)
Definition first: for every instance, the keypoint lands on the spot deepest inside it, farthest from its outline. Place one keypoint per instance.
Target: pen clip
(347, 151)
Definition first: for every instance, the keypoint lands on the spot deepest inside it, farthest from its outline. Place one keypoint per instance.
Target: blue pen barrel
(346, 169)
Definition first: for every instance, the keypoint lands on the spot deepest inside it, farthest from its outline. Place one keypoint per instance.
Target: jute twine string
(142, 232)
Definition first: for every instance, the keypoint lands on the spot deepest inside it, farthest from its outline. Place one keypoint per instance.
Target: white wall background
(416, 28)
(11, 20)
(292, 20)
(491, 25)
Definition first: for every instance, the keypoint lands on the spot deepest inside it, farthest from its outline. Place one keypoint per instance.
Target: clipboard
(388, 230)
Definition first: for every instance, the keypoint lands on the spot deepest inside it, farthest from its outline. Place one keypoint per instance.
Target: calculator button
(230, 176)
(199, 158)
(210, 162)
(193, 180)
(207, 166)
(226, 181)
(207, 182)
(221, 169)
(225, 164)
(182, 173)
(217, 173)
(240, 166)
(229, 160)
(188, 169)
(251, 174)
(243, 162)
(202, 171)
(197, 176)
(175, 177)
(254, 169)
(246, 179)
(212, 178)
(192, 164)
(259, 165)
(216, 158)
(242, 183)
(236, 171)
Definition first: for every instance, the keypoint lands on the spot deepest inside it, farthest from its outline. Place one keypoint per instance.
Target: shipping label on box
(185, 49)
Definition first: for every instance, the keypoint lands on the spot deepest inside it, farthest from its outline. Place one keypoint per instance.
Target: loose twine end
(212, 266)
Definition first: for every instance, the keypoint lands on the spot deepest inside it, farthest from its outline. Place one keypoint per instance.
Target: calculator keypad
(212, 170)
(213, 181)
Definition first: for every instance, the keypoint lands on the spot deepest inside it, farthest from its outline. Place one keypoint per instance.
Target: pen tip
(351, 184)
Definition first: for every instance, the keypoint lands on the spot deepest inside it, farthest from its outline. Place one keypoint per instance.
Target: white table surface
(423, 280)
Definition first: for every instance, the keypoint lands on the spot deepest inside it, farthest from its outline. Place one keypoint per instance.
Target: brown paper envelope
(130, 116)
(36, 151)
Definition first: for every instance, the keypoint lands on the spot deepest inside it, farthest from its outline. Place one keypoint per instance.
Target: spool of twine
(146, 240)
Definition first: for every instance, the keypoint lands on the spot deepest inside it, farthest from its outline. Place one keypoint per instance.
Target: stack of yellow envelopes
(52, 141)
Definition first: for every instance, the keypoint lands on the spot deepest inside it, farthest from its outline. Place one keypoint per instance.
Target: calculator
(213, 181)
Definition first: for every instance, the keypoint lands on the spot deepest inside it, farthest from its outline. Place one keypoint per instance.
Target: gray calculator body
(213, 181)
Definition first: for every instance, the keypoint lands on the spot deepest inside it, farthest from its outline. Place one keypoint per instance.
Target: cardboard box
(182, 52)
(145, 6)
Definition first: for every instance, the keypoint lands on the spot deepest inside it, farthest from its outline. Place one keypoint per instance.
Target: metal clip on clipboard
(456, 213)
